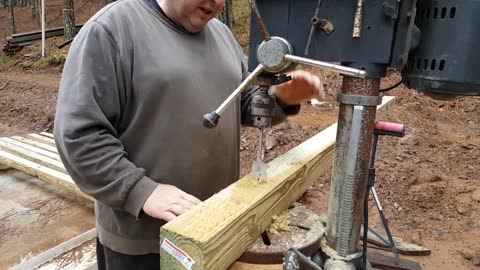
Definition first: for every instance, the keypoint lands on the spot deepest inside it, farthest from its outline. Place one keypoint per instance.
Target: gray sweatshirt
(129, 116)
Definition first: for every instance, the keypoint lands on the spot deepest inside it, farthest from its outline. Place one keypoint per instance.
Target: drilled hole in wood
(266, 239)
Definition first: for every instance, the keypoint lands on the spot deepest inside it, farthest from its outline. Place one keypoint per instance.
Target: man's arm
(281, 110)
(89, 109)
(304, 86)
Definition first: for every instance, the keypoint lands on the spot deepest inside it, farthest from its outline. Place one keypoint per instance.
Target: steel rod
(328, 66)
(240, 89)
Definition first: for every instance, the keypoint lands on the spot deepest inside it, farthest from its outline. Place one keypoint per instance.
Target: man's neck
(157, 4)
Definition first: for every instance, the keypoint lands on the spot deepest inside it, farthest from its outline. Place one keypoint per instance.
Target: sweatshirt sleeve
(89, 108)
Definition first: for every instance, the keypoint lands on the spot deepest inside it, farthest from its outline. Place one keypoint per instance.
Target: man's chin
(195, 28)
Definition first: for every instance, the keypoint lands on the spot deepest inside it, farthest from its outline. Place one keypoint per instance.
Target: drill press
(431, 42)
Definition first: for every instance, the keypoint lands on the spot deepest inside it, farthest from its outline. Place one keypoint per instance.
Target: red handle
(389, 127)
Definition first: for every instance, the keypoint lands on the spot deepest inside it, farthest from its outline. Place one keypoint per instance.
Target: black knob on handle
(210, 120)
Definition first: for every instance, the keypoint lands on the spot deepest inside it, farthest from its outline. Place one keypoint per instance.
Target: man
(137, 80)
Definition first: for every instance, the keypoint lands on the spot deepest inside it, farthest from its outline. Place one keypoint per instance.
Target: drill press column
(352, 153)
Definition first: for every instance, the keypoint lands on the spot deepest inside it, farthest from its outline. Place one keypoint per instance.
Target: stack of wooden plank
(16, 42)
(37, 155)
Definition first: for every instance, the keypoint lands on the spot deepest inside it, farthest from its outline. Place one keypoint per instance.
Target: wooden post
(216, 232)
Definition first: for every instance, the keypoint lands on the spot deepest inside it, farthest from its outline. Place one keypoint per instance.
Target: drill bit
(259, 168)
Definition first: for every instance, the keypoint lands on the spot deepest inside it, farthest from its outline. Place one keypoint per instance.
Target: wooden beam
(3, 167)
(32, 148)
(43, 146)
(41, 139)
(32, 156)
(46, 174)
(216, 232)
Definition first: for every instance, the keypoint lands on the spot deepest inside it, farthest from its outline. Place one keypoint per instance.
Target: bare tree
(34, 8)
(37, 10)
(11, 16)
(69, 20)
(226, 16)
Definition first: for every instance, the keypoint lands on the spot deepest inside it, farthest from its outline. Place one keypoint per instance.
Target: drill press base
(305, 230)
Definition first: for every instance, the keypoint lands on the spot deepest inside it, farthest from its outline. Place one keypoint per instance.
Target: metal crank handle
(328, 66)
(210, 120)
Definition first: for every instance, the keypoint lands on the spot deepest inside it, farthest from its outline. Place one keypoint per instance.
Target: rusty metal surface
(383, 262)
(351, 86)
(261, 25)
(305, 232)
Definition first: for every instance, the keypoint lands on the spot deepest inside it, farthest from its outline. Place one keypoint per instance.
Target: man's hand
(303, 86)
(167, 202)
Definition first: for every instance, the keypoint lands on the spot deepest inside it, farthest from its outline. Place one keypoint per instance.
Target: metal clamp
(359, 100)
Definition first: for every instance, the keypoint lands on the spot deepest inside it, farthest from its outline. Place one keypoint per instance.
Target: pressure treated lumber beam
(32, 156)
(31, 148)
(43, 173)
(48, 147)
(216, 232)
(46, 134)
(41, 139)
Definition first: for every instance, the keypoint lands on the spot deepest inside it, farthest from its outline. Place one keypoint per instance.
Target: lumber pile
(216, 232)
(37, 155)
(16, 42)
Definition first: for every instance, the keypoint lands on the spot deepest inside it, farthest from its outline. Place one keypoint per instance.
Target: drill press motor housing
(433, 43)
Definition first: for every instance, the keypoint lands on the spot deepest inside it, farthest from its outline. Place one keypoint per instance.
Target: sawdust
(279, 224)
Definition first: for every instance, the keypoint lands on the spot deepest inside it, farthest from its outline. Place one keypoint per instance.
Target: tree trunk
(226, 16)
(11, 16)
(38, 9)
(68, 20)
(34, 8)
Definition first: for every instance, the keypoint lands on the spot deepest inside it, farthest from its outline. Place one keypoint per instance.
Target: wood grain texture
(31, 148)
(33, 156)
(216, 232)
(46, 174)
(46, 134)
(43, 146)
(41, 139)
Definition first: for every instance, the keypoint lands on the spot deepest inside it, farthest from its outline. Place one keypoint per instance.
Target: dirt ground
(428, 181)
(36, 216)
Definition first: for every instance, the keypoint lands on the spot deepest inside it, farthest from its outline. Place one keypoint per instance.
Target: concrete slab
(36, 216)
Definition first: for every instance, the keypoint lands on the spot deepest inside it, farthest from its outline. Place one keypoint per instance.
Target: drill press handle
(210, 120)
